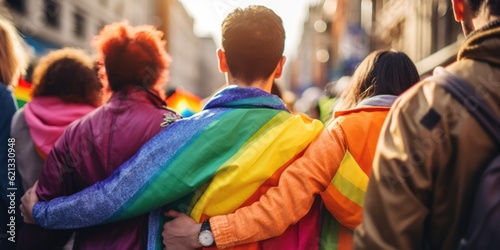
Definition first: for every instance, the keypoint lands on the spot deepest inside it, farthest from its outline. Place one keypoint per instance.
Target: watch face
(206, 238)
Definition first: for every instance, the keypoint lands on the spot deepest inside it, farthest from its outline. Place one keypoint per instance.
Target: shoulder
(18, 121)
(336, 130)
(360, 113)
(79, 129)
(151, 115)
(429, 94)
(7, 99)
(422, 97)
(7, 104)
(361, 118)
(424, 107)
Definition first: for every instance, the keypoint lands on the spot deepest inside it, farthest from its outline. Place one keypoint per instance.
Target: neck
(484, 19)
(265, 85)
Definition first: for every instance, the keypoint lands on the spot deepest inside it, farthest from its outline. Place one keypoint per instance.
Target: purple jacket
(92, 148)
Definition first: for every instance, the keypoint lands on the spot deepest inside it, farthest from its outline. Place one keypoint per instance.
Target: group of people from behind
(389, 171)
(67, 138)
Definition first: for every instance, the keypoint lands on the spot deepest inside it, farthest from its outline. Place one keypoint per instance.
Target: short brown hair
(492, 5)
(68, 74)
(253, 40)
(131, 55)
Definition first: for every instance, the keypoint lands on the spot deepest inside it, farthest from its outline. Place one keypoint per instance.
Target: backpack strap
(471, 100)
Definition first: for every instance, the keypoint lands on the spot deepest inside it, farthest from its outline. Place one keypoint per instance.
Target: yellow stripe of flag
(255, 162)
(350, 180)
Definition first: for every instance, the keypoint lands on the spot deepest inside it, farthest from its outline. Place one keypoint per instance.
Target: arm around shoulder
(286, 203)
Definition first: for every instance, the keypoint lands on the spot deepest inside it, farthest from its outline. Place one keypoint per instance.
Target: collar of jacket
(378, 101)
(136, 94)
(238, 97)
(483, 45)
(4, 87)
(374, 103)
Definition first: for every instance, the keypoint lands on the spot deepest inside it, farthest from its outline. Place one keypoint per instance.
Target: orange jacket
(336, 165)
(344, 196)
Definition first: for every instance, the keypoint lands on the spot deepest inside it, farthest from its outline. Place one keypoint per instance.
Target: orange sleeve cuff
(222, 232)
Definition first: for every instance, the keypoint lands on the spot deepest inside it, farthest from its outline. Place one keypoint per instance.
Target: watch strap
(205, 225)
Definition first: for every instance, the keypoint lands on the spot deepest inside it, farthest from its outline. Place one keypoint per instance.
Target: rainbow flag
(343, 198)
(184, 102)
(23, 92)
(212, 163)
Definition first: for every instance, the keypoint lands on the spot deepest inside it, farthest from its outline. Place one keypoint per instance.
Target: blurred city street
(325, 39)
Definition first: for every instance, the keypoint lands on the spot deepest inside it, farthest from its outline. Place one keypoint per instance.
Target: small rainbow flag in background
(23, 92)
(184, 102)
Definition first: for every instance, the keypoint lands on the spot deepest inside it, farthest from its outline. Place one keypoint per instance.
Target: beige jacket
(429, 154)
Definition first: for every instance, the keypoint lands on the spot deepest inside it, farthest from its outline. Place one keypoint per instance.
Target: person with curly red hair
(132, 56)
(134, 67)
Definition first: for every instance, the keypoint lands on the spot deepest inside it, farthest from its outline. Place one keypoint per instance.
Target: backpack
(483, 230)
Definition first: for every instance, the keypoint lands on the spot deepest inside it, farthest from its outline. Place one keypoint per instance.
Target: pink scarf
(48, 117)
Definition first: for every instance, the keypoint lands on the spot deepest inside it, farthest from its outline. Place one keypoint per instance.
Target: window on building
(79, 24)
(17, 4)
(52, 12)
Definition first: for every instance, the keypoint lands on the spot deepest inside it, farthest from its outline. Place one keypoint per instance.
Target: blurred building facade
(49, 24)
(194, 66)
(333, 43)
(311, 65)
(209, 77)
(424, 29)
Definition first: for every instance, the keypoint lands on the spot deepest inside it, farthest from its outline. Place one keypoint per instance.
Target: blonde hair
(13, 58)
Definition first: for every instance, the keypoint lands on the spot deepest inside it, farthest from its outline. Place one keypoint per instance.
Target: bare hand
(181, 232)
(27, 202)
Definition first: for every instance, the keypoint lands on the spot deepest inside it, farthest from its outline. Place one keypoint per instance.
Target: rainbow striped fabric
(23, 92)
(344, 198)
(211, 163)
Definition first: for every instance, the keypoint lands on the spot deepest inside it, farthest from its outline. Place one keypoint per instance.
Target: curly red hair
(132, 56)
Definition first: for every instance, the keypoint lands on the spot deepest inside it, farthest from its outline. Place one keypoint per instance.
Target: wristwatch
(206, 238)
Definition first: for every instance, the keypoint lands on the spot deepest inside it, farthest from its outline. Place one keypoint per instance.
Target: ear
(458, 9)
(221, 55)
(279, 68)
